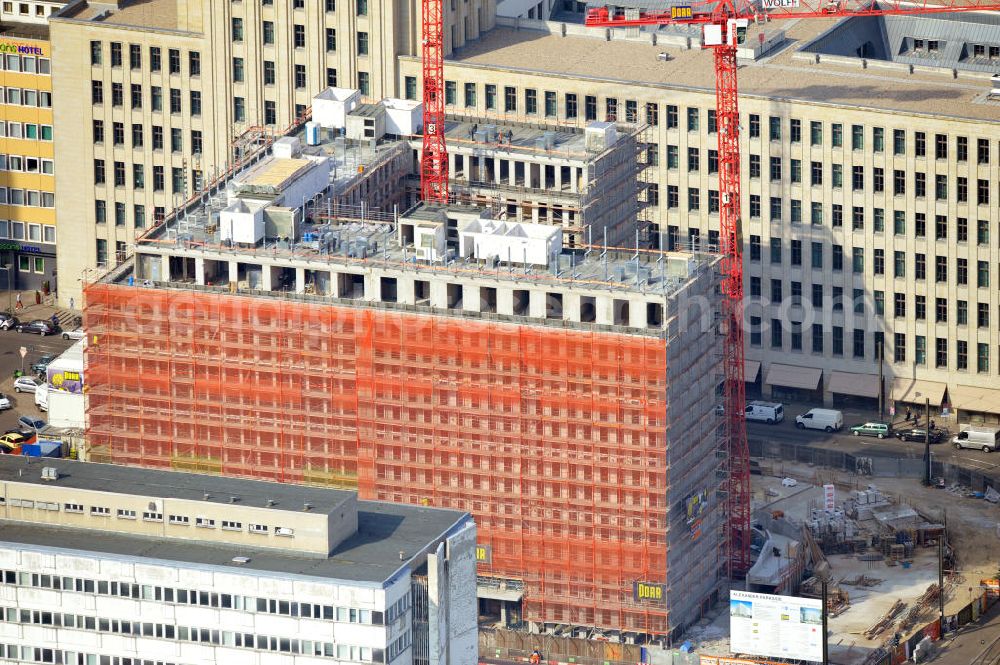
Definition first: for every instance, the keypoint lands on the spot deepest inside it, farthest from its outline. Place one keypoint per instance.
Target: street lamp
(9, 270)
(823, 572)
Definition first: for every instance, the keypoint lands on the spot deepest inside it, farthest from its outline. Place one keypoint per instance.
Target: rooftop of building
(517, 137)
(371, 555)
(155, 14)
(26, 30)
(783, 73)
(171, 484)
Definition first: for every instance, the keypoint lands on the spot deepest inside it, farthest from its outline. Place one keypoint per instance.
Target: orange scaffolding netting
(553, 439)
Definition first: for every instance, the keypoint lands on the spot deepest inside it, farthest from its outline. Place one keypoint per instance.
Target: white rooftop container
(330, 107)
(510, 242)
(403, 116)
(242, 223)
(599, 136)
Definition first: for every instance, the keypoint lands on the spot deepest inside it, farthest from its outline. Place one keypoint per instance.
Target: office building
(104, 564)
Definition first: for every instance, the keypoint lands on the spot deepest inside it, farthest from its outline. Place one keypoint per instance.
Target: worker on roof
(536, 657)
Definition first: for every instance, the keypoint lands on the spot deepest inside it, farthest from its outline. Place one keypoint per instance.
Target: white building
(106, 564)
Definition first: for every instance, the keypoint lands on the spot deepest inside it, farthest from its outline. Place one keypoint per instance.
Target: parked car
(26, 384)
(42, 397)
(27, 423)
(765, 412)
(11, 441)
(828, 420)
(7, 321)
(873, 428)
(38, 327)
(40, 365)
(74, 334)
(4, 402)
(918, 434)
(986, 439)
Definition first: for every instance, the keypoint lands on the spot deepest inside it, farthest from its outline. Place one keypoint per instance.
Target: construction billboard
(776, 626)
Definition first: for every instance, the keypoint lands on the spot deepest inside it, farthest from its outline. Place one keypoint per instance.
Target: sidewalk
(31, 311)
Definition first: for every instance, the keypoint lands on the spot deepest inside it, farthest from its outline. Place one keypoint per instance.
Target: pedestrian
(72, 303)
(908, 414)
(19, 306)
(931, 427)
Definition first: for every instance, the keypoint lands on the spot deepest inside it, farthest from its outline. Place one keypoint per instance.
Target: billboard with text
(778, 626)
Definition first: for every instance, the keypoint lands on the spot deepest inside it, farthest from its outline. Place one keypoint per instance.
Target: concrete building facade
(102, 564)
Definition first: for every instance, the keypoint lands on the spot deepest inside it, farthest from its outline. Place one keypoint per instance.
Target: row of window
(270, 73)
(26, 164)
(26, 97)
(858, 343)
(26, 130)
(27, 197)
(206, 598)
(817, 299)
(615, 110)
(121, 218)
(900, 259)
(136, 97)
(25, 8)
(138, 137)
(178, 179)
(12, 230)
(26, 64)
(116, 51)
(23, 653)
(226, 638)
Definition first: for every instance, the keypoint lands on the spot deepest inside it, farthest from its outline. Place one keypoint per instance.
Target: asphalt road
(869, 446)
(10, 360)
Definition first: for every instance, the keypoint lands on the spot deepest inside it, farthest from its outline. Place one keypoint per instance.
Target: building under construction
(446, 357)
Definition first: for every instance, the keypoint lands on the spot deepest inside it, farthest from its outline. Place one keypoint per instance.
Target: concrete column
(439, 294)
(637, 313)
(335, 285)
(536, 307)
(405, 292)
(571, 307)
(165, 268)
(373, 288)
(470, 298)
(199, 271)
(234, 271)
(265, 277)
(505, 301)
(605, 310)
(300, 280)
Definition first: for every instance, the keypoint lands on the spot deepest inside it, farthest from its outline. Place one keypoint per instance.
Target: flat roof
(156, 14)
(275, 172)
(170, 484)
(778, 75)
(370, 555)
(12, 28)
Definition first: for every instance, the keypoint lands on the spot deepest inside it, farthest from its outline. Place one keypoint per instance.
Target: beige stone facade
(222, 70)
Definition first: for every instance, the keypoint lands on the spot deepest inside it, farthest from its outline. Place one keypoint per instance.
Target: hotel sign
(25, 49)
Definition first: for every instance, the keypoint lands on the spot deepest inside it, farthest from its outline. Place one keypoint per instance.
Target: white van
(828, 420)
(42, 397)
(765, 412)
(986, 439)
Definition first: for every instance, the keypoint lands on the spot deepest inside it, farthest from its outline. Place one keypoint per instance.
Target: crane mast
(723, 21)
(434, 158)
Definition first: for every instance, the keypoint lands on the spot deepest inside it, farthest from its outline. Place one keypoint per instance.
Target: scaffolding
(552, 438)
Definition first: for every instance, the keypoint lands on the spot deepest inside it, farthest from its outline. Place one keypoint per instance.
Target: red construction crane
(434, 159)
(724, 25)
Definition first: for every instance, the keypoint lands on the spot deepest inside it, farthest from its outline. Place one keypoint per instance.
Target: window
(179, 519)
(982, 151)
(270, 113)
(983, 192)
(776, 334)
(982, 274)
(775, 250)
(941, 187)
(258, 528)
(267, 34)
(775, 209)
(101, 511)
(816, 213)
(239, 109)
(116, 54)
(816, 173)
(754, 126)
(156, 98)
(796, 211)
(204, 523)
(229, 525)
(154, 58)
(982, 358)
(815, 133)
(920, 184)
(920, 352)
(940, 310)
(899, 305)
(837, 257)
(100, 212)
(919, 266)
(652, 113)
(795, 171)
(878, 220)
(126, 514)
(139, 213)
(755, 331)
(692, 119)
(693, 160)
(174, 58)
(331, 77)
(879, 261)
(611, 109)
(961, 148)
(898, 182)
(491, 97)
(857, 178)
(238, 74)
(299, 38)
(99, 172)
(837, 215)
(899, 348)
(837, 175)
(138, 177)
(795, 130)
(694, 198)
(754, 166)
(857, 137)
(940, 146)
(551, 105)
(898, 142)
(837, 340)
(878, 139)
(713, 124)
(300, 77)
(590, 107)
(940, 352)
(362, 7)
(755, 206)
(96, 92)
(269, 75)
(982, 315)
(237, 30)
(920, 144)
(531, 101)
(755, 248)
(362, 43)
(95, 53)
(858, 259)
(194, 63)
(962, 312)
(175, 100)
(509, 99)
(775, 169)
(859, 343)
(774, 128)
(837, 135)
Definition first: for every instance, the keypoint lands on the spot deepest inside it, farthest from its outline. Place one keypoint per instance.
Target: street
(10, 360)
(868, 446)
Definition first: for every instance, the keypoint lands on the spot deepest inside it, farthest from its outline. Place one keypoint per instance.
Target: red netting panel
(553, 438)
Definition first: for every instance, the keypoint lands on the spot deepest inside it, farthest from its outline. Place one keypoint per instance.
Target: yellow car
(10, 443)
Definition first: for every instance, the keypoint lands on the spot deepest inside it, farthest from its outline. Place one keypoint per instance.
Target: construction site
(562, 391)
